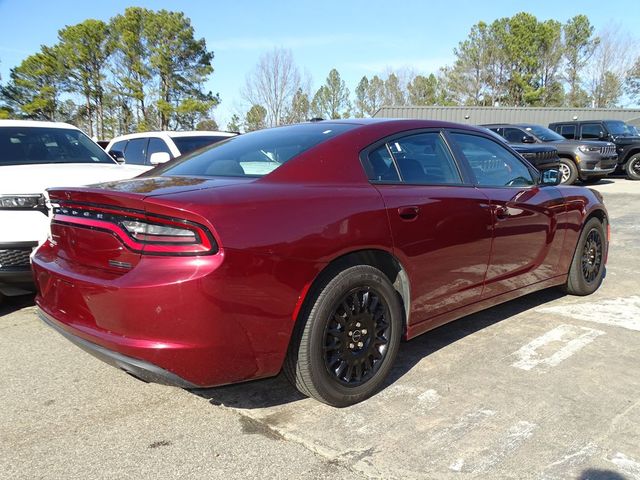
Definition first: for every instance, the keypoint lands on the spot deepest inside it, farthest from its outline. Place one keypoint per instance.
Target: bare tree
(609, 65)
(272, 84)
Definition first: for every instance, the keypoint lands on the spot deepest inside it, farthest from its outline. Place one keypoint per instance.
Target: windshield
(189, 144)
(253, 154)
(34, 145)
(620, 128)
(543, 133)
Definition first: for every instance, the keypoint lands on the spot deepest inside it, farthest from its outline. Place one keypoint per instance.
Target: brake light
(150, 232)
(139, 231)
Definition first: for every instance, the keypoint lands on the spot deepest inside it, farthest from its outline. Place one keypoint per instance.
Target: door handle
(409, 213)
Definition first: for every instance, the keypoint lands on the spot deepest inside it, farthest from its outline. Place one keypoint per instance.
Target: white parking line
(575, 457)
(505, 446)
(618, 312)
(468, 422)
(571, 337)
(627, 465)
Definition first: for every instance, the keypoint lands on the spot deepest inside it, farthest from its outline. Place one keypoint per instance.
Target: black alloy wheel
(587, 268)
(347, 337)
(592, 256)
(357, 337)
(633, 167)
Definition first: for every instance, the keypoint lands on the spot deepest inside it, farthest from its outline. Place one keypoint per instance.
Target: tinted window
(619, 128)
(591, 130)
(136, 151)
(542, 133)
(119, 146)
(380, 167)
(157, 145)
(29, 145)
(513, 135)
(189, 144)
(256, 153)
(424, 159)
(568, 131)
(492, 164)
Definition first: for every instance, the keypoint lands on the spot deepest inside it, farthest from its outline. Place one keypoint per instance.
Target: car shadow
(604, 181)
(278, 391)
(597, 474)
(12, 304)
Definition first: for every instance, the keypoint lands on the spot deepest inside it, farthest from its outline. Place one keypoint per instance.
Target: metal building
(480, 115)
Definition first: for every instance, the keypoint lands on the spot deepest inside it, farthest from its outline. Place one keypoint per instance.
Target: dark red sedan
(314, 248)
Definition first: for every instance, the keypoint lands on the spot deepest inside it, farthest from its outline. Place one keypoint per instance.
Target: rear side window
(568, 131)
(254, 154)
(136, 152)
(380, 166)
(492, 164)
(424, 159)
(591, 130)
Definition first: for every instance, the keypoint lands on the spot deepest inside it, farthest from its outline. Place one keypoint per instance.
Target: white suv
(33, 157)
(152, 148)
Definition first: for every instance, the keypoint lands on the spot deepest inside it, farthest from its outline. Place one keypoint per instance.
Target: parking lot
(545, 386)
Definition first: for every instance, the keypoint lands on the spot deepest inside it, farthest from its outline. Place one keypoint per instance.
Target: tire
(568, 171)
(593, 180)
(332, 356)
(587, 266)
(633, 167)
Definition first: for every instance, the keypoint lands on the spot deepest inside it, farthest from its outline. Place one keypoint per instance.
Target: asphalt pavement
(543, 387)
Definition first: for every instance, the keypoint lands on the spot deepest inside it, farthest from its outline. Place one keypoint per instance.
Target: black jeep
(624, 136)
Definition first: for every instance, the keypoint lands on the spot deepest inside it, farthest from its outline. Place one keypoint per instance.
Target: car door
(440, 223)
(527, 230)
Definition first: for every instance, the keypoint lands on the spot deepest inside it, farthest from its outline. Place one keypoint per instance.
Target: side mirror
(550, 177)
(159, 157)
(528, 139)
(117, 155)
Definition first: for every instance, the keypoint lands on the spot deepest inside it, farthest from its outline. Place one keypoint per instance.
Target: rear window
(189, 144)
(253, 154)
(34, 145)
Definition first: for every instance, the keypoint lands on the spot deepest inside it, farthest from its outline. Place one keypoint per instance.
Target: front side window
(543, 134)
(35, 145)
(513, 135)
(591, 130)
(136, 151)
(157, 145)
(492, 164)
(254, 154)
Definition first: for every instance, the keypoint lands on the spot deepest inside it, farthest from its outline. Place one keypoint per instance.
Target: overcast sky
(356, 37)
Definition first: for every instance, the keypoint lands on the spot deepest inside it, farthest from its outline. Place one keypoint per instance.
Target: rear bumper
(145, 371)
(206, 321)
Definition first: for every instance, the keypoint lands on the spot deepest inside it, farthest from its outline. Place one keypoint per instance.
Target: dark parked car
(209, 270)
(625, 137)
(589, 161)
(543, 157)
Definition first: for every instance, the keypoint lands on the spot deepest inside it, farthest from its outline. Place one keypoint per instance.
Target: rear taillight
(140, 231)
